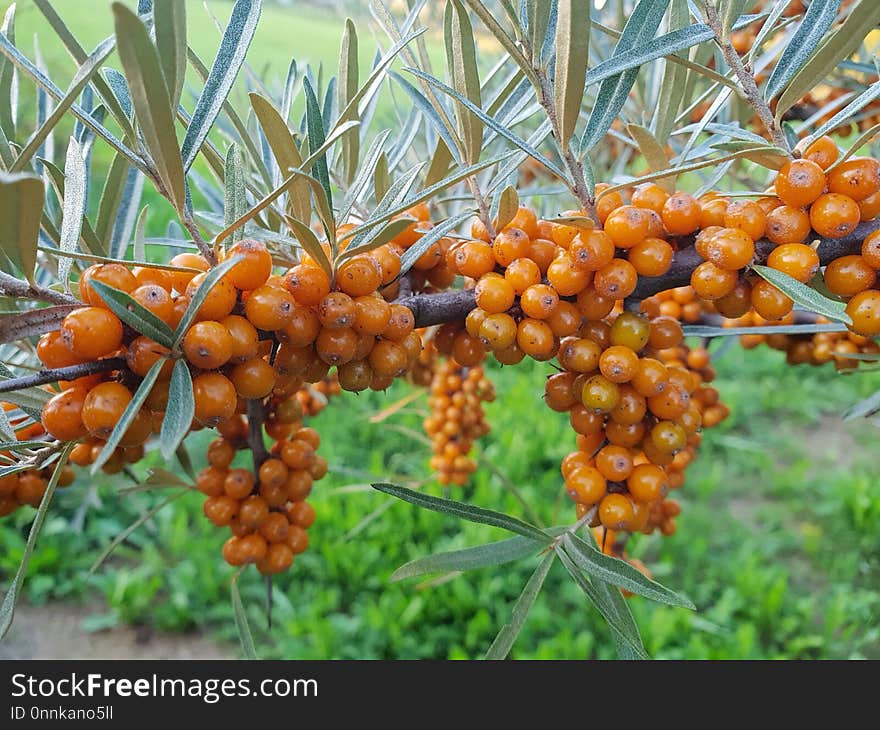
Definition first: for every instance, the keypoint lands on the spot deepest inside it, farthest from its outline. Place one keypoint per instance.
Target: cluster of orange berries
(28, 486)
(806, 198)
(816, 349)
(637, 397)
(268, 515)
(457, 419)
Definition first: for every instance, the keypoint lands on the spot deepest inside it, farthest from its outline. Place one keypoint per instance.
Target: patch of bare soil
(57, 632)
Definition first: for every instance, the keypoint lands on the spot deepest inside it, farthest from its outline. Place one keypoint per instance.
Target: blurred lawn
(778, 542)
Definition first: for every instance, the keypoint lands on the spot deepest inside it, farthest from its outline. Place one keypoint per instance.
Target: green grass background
(778, 542)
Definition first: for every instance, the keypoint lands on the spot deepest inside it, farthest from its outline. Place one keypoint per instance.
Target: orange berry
(769, 302)
(617, 280)
(474, 258)
(91, 332)
(651, 257)
(864, 309)
(253, 270)
(731, 249)
(566, 277)
(616, 511)
(799, 183)
(650, 195)
(254, 378)
(359, 276)
(647, 483)
(103, 407)
(786, 224)
(115, 275)
(615, 462)
(207, 345)
(180, 279)
(244, 338)
(608, 202)
(526, 220)
(494, 294)
(681, 214)
(823, 152)
(219, 301)
(870, 251)
(712, 282)
(522, 273)
(833, 215)
(849, 275)
(400, 324)
(747, 216)
(53, 353)
(336, 346)
(535, 338)
(215, 398)
(509, 245)
(539, 301)
(143, 353)
(797, 260)
(857, 178)
(269, 308)
(62, 415)
(308, 284)
(626, 226)
(586, 485)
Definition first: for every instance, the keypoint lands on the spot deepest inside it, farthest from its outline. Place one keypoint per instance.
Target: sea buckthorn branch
(454, 305)
(687, 259)
(204, 247)
(746, 79)
(71, 372)
(12, 287)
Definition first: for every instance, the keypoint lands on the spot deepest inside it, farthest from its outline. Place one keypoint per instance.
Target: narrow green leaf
(87, 234)
(241, 620)
(863, 409)
(310, 243)
(21, 205)
(286, 153)
(180, 411)
(30, 400)
(845, 39)
(136, 316)
(639, 30)
(480, 556)
(128, 531)
(510, 44)
(464, 511)
(364, 174)
(461, 61)
(169, 20)
(372, 240)
(111, 200)
(508, 205)
(192, 309)
(235, 197)
(674, 87)
(317, 137)
(7, 608)
(654, 153)
(733, 10)
(572, 55)
(623, 629)
(106, 91)
(414, 252)
(420, 101)
(491, 123)
(856, 145)
(537, 18)
(381, 178)
(7, 72)
(80, 79)
(74, 207)
(152, 104)
(804, 296)
(8, 433)
(766, 155)
(129, 414)
(507, 636)
(185, 460)
(230, 56)
(850, 110)
(440, 161)
(140, 241)
(346, 89)
(699, 330)
(664, 45)
(802, 45)
(44, 83)
(620, 573)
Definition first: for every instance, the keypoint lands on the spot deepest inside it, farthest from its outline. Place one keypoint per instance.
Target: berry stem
(746, 80)
(12, 287)
(72, 372)
(204, 247)
(256, 415)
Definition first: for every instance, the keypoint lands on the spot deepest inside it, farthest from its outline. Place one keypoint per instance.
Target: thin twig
(12, 287)
(746, 80)
(204, 247)
(72, 372)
